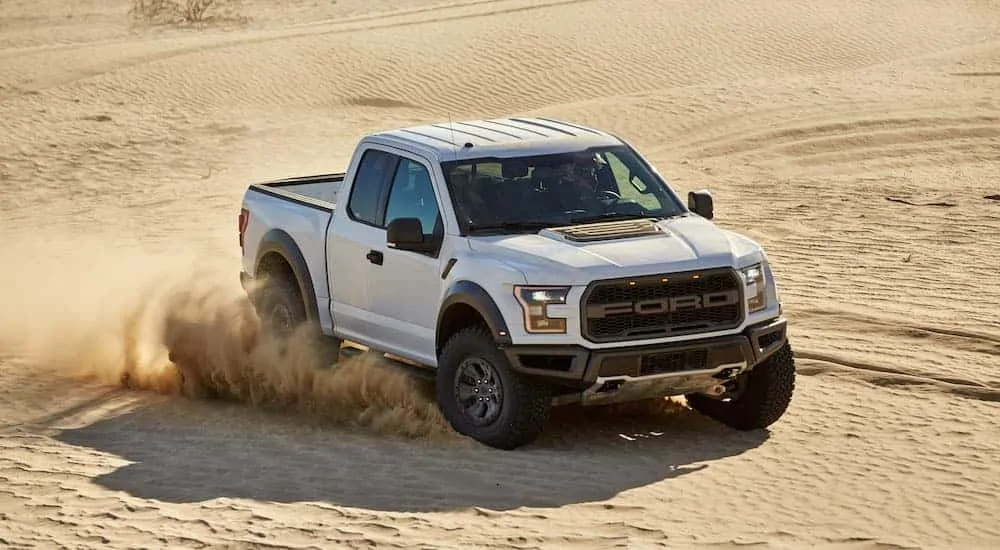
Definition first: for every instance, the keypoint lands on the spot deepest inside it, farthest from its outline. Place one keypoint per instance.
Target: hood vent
(609, 230)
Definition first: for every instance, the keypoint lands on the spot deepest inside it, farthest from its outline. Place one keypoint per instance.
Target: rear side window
(369, 182)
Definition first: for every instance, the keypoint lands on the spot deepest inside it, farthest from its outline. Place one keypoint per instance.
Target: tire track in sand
(821, 363)
(967, 339)
(847, 142)
(376, 21)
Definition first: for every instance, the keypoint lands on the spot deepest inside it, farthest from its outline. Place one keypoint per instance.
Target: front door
(406, 290)
(384, 297)
(355, 231)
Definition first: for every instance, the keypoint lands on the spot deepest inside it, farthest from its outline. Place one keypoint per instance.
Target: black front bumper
(578, 366)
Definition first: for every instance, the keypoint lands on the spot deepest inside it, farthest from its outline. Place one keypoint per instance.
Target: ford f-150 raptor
(531, 262)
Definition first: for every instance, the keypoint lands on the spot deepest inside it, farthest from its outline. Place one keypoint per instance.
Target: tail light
(242, 225)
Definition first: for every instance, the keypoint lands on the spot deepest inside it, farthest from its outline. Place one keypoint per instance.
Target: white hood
(686, 243)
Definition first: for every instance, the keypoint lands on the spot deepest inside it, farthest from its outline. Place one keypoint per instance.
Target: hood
(579, 254)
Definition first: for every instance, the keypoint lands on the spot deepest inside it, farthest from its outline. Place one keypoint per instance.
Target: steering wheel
(607, 194)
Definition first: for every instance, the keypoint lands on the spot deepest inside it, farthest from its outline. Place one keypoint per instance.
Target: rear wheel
(279, 305)
(482, 397)
(761, 396)
(282, 311)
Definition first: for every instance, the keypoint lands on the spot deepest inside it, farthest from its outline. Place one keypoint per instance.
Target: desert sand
(857, 141)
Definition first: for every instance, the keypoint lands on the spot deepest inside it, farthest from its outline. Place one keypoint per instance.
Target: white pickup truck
(531, 262)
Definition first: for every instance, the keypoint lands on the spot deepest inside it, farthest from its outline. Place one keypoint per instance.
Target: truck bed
(296, 211)
(319, 190)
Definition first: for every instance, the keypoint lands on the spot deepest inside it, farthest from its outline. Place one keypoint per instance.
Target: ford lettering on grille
(666, 305)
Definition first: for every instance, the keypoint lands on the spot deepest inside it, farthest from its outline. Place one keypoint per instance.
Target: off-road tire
(524, 404)
(279, 305)
(766, 394)
(277, 292)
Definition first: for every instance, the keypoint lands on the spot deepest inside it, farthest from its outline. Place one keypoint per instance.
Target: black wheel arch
(464, 295)
(277, 241)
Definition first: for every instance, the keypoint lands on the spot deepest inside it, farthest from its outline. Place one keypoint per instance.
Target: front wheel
(482, 397)
(761, 398)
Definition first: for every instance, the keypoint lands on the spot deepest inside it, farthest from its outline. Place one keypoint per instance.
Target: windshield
(525, 194)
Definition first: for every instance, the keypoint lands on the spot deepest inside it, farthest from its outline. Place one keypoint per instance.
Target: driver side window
(411, 195)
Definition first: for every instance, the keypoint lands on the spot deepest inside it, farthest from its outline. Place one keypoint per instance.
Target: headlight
(756, 284)
(534, 302)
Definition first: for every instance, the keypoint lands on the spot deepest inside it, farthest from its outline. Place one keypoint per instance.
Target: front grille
(662, 305)
(663, 362)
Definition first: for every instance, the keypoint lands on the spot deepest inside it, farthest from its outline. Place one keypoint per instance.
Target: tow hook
(729, 383)
(717, 390)
(728, 373)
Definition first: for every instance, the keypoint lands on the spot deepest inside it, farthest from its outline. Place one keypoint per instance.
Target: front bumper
(638, 372)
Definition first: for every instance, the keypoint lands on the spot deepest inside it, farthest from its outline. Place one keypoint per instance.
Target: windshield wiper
(511, 226)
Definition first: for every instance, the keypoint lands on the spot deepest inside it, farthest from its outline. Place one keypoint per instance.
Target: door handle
(374, 256)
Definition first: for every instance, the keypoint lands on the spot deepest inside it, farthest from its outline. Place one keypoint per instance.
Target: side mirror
(407, 234)
(700, 202)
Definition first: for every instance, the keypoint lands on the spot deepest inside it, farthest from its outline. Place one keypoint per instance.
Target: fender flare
(474, 296)
(279, 242)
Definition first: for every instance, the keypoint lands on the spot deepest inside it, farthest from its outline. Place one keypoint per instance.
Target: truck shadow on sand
(184, 451)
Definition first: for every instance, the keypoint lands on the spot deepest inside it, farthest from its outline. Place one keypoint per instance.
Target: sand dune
(857, 141)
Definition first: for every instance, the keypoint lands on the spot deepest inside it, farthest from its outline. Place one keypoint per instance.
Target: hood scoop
(606, 231)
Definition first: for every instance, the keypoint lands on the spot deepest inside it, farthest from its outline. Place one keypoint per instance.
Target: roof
(499, 137)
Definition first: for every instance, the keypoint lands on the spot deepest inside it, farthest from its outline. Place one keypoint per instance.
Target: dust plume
(219, 349)
(173, 329)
